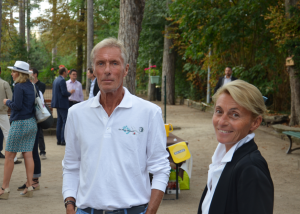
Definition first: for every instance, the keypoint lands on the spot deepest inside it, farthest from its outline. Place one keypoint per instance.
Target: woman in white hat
(23, 128)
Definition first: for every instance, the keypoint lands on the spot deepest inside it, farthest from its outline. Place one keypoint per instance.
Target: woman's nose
(223, 120)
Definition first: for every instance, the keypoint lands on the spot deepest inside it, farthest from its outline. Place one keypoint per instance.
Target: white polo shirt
(108, 159)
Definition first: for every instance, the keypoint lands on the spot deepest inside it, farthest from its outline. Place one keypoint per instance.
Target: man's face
(228, 72)
(73, 76)
(109, 69)
(89, 75)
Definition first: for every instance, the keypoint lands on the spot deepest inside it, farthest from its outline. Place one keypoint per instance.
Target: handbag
(46, 124)
(41, 112)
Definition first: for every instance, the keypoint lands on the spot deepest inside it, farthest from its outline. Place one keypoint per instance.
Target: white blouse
(219, 161)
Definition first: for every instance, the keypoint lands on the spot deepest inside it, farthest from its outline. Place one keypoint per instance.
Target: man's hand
(155, 200)
(70, 207)
(4, 101)
(72, 91)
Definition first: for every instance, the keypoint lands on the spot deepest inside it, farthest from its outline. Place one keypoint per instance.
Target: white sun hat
(21, 66)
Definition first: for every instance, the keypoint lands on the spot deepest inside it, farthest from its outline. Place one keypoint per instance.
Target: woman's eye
(235, 115)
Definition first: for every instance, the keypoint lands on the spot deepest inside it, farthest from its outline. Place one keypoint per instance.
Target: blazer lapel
(218, 203)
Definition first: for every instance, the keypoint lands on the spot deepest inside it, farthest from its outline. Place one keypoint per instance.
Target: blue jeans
(79, 211)
(61, 122)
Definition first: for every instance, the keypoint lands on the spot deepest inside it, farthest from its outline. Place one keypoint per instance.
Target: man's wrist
(70, 201)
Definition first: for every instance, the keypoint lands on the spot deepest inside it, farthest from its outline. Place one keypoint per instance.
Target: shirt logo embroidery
(132, 130)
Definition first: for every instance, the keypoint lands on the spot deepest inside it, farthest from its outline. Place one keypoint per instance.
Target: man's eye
(218, 111)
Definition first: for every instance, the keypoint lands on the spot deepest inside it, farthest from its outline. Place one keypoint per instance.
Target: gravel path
(196, 128)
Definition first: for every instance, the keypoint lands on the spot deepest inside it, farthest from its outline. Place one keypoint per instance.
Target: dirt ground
(196, 128)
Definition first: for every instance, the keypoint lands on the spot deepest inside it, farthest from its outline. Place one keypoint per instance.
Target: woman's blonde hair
(22, 77)
(244, 94)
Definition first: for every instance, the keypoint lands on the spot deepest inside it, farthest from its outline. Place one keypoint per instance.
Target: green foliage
(238, 35)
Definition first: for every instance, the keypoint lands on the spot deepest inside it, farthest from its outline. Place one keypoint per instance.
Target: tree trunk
(28, 25)
(90, 40)
(0, 26)
(294, 78)
(151, 87)
(168, 69)
(54, 47)
(131, 17)
(22, 19)
(80, 33)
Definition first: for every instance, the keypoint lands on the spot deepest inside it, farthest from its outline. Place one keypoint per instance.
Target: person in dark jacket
(23, 128)
(60, 101)
(239, 179)
(42, 88)
(94, 88)
(225, 79)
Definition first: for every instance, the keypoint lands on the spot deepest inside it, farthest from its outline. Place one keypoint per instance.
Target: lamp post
(208, 75)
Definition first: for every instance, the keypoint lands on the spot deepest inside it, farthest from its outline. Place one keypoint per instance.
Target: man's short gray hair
(110, 42)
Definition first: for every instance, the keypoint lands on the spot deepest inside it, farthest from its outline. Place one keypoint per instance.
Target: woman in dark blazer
(239, 180)
(22, 132)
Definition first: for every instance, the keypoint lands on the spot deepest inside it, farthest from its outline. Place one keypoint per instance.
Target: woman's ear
(256, 123)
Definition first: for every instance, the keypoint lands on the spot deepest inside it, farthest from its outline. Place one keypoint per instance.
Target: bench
(291, 134)
(204, 105)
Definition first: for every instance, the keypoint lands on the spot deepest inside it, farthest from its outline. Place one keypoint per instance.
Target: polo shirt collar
(125, 103)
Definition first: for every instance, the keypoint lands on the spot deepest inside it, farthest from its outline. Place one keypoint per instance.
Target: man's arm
(8, 91)
(218, 85)
(42, 87)
(63, 88)
(157, 160)
(70, 208)
(155, 200)
(71, 162)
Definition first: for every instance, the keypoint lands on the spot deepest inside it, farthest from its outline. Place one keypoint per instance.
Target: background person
(60, 101)
(113, 141)
(94, 89)
(41, 142)
(5, 93)
(239, 179)
(35, 152)
(23, 128)
(225, 79)
(73, 84)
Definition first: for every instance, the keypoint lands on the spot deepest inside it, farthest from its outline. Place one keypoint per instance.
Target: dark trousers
(61, 122)
(71, 103)
(1, 139)
(42, 143)
(35, 155)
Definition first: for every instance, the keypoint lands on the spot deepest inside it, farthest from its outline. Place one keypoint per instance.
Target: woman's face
(232, 122)
(14, 74)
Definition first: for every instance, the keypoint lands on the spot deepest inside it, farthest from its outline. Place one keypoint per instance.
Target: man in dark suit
(226, 79)
(94, 88)
(42, 88)
(60, 101)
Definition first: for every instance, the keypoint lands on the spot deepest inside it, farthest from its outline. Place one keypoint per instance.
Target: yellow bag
(179, 152)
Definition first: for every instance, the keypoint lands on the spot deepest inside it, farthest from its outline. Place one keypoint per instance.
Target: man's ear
(126, 70)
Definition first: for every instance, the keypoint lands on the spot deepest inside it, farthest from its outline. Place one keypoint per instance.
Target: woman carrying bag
(23, 128)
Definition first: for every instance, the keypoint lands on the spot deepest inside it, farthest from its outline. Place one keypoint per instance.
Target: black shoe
(17, 162)
(58, 143)
(63, 143)
(2, 155)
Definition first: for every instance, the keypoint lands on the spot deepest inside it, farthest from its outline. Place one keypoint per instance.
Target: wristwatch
(70, 202)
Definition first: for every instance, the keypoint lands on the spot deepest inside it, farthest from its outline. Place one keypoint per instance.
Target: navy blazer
(245, 185)
(221, 82)
(23, 102)
(60, 94)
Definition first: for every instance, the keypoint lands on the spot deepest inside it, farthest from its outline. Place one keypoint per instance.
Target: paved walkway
(196, 127)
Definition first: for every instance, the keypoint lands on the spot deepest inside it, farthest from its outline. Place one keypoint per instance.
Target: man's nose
(107, 68)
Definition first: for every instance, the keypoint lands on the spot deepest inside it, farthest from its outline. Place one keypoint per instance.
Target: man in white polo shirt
(113, 141)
